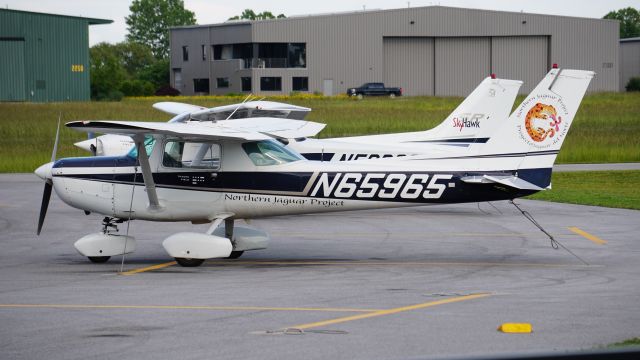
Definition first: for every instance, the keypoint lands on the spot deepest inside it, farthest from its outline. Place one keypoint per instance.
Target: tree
(107, 72)
(249, 14)
(126, 68)
(135, 57)
(150, 21)
(629, 21)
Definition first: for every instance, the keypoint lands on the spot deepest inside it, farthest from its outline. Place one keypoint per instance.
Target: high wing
(250, 109)
(244, 129)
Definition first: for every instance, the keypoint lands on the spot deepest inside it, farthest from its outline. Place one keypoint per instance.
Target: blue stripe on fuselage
(96, 161)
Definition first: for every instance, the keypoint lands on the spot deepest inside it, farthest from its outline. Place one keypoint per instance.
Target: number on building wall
(77, 68)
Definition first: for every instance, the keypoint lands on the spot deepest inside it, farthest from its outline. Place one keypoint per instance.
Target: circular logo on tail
(542, 122)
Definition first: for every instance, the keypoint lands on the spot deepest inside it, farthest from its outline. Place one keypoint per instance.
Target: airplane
(240, 172)
(470, 123)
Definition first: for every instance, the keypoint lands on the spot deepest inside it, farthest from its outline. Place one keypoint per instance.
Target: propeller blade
(55, 144)
(46, 196)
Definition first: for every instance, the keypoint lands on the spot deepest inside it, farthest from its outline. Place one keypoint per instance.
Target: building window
(246, 83)
(201, 85)
(297, 55)
(204, 52)
(185, 53)
(223, 82)
(300, 83)
(271, 83)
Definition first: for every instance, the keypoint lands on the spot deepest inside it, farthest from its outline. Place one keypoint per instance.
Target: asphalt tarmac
(408, 283)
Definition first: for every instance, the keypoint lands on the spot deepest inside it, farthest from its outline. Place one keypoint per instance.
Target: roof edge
(374, 11)
(90, 21)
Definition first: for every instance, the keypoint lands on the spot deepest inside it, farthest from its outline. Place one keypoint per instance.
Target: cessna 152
(471, 122)
(239, 172)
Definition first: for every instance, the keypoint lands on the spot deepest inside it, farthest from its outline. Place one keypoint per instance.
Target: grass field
(617, 189)
(606, 129)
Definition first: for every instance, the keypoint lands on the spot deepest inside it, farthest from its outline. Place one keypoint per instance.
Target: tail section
(537, 128)
(480, 114)
(473, 121)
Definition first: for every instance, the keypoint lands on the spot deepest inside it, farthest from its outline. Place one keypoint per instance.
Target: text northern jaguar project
(221, 171)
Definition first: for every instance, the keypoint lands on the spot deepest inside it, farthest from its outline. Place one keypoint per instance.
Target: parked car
(374, 89)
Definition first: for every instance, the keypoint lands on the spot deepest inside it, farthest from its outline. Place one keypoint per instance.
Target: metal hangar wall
(44, 57)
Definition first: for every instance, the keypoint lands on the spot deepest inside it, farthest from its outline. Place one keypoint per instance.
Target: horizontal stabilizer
(511, 181)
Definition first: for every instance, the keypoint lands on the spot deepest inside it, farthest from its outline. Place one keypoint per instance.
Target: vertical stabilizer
(541, 122)
(481, 113)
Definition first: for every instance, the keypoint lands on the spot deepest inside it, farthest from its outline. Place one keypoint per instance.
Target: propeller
(44, 172)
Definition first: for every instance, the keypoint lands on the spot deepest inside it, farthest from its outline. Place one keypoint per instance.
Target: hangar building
(44, 57)
(433, 50)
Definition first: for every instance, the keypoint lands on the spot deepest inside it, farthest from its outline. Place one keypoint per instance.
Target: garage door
(461, 63)
(520, 58)
(408, 63)
(12, 70)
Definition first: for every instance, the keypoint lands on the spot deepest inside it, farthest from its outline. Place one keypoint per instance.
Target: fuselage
(240, 183)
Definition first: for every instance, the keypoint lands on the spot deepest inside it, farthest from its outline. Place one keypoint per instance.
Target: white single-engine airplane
(472, 122)
(236, 170)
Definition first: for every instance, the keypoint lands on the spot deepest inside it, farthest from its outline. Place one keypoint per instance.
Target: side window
(191, 155)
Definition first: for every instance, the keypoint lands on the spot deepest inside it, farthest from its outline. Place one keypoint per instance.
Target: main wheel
(186, 262)
(359, 96)
(99, 259)
(235, 254)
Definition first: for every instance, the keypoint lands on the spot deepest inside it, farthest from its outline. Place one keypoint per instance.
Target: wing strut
(149, 184)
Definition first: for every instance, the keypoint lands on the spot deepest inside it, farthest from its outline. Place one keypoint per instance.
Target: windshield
(149, 141)
(269, 152)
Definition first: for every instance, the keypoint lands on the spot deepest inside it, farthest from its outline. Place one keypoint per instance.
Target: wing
(241, 129)
(192, 130)
(250, 109)
(275, 127)
(176, 108)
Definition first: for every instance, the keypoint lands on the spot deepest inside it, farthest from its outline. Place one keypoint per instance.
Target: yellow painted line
(588, 236)
(179, 307)
(380, 263)
(149, 268)
(388, 312)
(341, 235)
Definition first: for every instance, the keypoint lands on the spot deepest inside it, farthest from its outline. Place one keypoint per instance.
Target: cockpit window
(269, 152)
(149, 142)
(194, 155)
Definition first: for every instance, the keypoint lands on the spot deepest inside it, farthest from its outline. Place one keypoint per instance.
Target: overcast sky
(210, 11)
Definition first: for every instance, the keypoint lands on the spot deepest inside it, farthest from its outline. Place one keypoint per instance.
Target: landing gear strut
(228, 233)
(108, 226)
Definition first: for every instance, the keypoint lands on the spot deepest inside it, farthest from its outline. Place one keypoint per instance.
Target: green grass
(606, 128)
(617, 189)
(626, 343)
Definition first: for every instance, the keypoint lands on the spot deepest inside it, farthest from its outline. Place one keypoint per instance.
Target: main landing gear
(215, 231)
